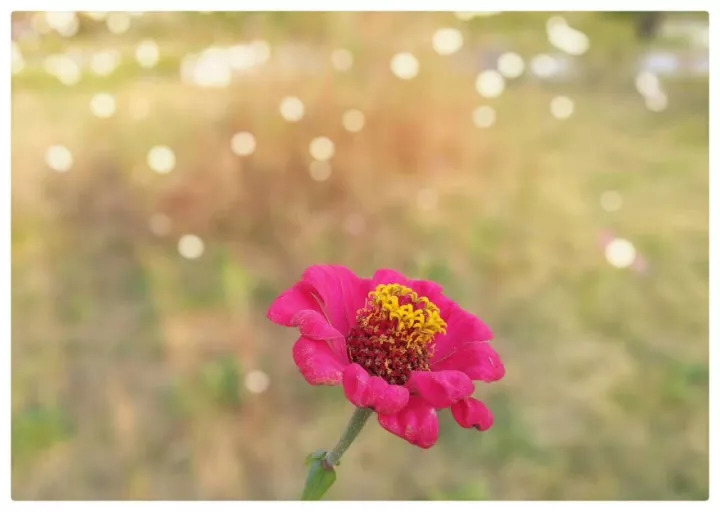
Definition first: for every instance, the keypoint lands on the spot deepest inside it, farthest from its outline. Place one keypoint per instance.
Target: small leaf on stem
(320, 477)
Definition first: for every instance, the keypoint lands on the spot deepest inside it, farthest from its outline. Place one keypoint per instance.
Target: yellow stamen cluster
(394, 333)
(423, 323)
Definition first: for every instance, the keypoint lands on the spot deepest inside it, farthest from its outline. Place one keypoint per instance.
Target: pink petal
(441, 389)
(317, 362)
(298, 307)
(387, 276)
(339, 292)
(429, 289)
(284, 309)
(417, 423)
(462, 327)
(476, 359)
(471, 413)
(373, 392)
(314, 325)
(323, 305)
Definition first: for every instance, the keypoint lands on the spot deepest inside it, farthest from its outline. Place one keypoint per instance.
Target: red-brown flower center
(394, 333)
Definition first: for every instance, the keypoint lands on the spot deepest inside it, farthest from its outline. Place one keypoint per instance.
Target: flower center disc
(394, 333)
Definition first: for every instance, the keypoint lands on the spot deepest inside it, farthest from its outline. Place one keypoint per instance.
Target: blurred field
(135, 369)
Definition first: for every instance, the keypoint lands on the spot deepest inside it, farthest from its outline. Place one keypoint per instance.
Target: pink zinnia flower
(397, 346)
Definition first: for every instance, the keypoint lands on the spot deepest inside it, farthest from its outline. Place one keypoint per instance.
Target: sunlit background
(173, 172)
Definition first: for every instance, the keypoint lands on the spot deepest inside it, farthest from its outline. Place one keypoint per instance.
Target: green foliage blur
(143, 366)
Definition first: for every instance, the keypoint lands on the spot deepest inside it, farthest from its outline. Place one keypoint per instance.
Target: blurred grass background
(142, 363)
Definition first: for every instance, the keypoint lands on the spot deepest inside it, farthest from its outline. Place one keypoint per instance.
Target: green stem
(321, 472)
(355, 425)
